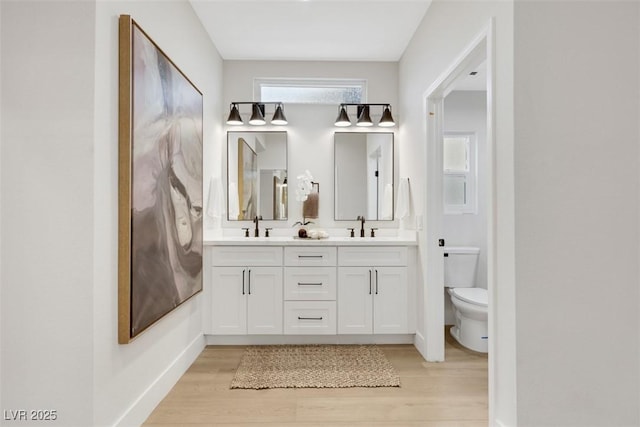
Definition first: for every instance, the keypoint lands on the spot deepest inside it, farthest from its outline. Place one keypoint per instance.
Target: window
(459, 172)
(307, 91)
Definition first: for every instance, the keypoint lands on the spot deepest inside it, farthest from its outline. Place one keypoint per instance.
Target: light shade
(257, 115)
(386, 120)
(234, 116)
(278, 117)
(343, 119)
(364, 119)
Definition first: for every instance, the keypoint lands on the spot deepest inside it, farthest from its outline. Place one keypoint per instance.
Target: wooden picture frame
(160, 184)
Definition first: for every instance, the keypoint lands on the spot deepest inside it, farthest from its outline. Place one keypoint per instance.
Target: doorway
(477, 57)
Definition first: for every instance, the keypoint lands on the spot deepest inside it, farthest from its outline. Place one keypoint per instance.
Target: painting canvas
(160, 182)
(247, 180)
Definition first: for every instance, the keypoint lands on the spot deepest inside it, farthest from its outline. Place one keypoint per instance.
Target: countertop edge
(310, 242)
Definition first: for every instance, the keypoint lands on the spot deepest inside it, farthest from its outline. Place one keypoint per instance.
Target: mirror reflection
(257, 175)
(363, 168)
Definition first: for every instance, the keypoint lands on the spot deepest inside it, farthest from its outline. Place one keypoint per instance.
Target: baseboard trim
(307, 339)
(420, 344)
(142, 407)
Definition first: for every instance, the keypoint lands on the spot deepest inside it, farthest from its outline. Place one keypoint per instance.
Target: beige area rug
(314, 366)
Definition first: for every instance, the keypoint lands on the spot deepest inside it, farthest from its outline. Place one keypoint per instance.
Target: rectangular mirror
(257, 175)
(363, 175)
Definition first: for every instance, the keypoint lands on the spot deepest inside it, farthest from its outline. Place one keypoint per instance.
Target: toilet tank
(460, 265)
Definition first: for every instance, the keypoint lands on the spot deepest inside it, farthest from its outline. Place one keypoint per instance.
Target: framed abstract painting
(160, 184)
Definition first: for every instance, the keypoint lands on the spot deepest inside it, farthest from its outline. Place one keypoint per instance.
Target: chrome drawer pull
(309, 318)
(310, 256)
(309, 284)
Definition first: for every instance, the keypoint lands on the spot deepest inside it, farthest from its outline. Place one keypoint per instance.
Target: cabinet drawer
(369, 256)
(259, 256)
(310, 317)
(310, 256)
(310, 283)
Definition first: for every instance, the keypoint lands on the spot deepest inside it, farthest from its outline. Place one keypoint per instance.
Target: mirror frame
(393, 174)
(286, 161)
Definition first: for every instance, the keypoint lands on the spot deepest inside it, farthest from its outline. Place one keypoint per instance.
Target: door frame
(479, 49)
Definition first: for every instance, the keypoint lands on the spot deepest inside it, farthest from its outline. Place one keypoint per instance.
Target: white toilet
(470, 304)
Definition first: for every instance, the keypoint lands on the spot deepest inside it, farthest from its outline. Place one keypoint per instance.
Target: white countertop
(218, 239)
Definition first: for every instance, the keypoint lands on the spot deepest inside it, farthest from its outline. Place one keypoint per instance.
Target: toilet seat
(475, 296)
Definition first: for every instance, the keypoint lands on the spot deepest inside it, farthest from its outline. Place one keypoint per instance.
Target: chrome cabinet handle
(243, 271)
(310, 256)
(369, 282)
(309, 284)
(309, 318)
(249, 281)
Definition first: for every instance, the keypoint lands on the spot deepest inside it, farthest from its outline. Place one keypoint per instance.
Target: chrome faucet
(257, 219)
(361, 219)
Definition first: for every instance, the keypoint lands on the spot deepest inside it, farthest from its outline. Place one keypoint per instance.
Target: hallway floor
(453, 393)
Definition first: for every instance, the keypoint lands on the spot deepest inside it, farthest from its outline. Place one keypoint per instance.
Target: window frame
(470, 176)
(329, 83)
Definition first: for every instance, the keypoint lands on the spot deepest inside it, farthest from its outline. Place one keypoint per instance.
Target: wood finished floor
(449, 394)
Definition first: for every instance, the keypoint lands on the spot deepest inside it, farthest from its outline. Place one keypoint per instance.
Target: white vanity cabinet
(373, 290)
(310, 290)
(246, 291)
(284, 290)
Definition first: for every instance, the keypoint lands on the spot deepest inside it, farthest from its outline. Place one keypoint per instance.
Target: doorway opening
(460, 195)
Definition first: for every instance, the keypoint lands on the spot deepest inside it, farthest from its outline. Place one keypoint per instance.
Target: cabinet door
(229, 305)
(390, 300)
(264, 300)
(355, 300)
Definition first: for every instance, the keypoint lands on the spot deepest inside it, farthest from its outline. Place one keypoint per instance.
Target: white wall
(577, 209)
(446, 31)
(1, 150)
(310, 130)
(47, 209)
(130, 379)
(573, 200)
(59, 211)
(466, 111)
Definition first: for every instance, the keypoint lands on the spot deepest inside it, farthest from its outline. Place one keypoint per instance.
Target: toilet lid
(477, 296)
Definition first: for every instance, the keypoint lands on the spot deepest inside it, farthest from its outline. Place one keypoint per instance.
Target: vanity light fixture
(363, 114)
(278, 117)
(386, 120)
(343, 119)
(234, 116)
(257, 114)
(364, 119)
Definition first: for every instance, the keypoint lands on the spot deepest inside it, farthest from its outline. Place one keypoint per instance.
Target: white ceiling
(319, 30)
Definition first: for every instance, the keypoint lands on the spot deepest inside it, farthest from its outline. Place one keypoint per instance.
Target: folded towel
(403, 210)
(234, 202)
(317, 234)
(311, 205)
(215, 204)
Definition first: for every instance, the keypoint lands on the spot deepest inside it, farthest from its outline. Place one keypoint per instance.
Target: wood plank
(453, 393)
